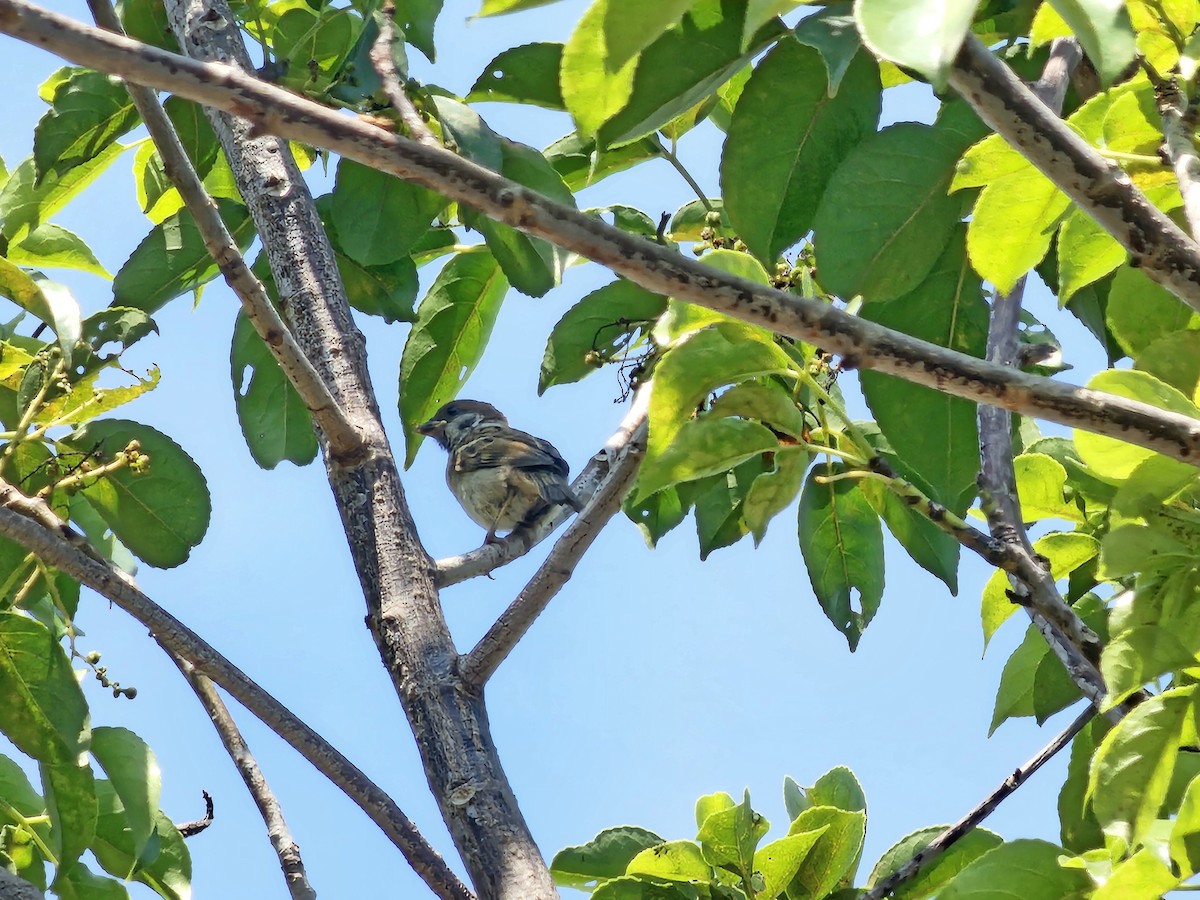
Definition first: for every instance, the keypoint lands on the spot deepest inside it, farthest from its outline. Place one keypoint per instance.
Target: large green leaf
(832, 31)
(885, 217)
(161, 513)
(1140, 312)
(842, 545)
(579, 163)
(1104, 30)
(834, 857)
(27, 201)
(918, 34)
(595, 329)
(630, 26)
(1079, 830)
(275, 422)
(134, 775)
(1066, 552)
(173, 259)
(453, 325)
(89, 112)
(594, 89)
(704, 447)
(51, 246)
(165, 865)
(1131, 770)
(929, 546)
(729, 837)
(1028, 869)
(527, 74)
(78, 882)
(1086, 253)
(70, 792)
(499, 7)
(605, 856)
(946, 309)
(673, 861)
(48, 300)
(379, 217)
(774, 168)
(932, 878)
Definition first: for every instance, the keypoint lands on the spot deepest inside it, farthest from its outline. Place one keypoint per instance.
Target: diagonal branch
(963, 826)
(479, 665)
(224, 250)
(385, 66)
(643, 262)
(482, 560)
(58, 547)
(286, 849)
(1106, 193)
(1179, 124)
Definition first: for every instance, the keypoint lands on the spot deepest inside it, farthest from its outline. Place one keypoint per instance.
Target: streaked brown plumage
(502, 477)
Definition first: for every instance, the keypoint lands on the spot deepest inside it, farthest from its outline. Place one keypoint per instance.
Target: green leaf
(833, 32)
(70, 792)
(931, 879)
(779, 861)
(604, 856)
(929, 547)
(947, 309)
(885, 217)
(1011, 227)
(1140, 312)
(159, 514)
(1104, 30)
(1086, 253)
(657, 514)
(1014, 696)
(90, 111)
(471, 135)
(1175, 360)
(774, 168)
(146, 21)
(312, 44)
(499, 7)
(684, 66)
(842, 545)
(173, 259)
(673, 861)
(418, 18)
(729, 837)
(1079, 829)
(924, 35)
(719, 503)
(1152, 483)
(387, 291)
(378, 217)
(44, 713)
(690, 371)
(1141, 877)
(48, 300)
(26, 202)
(838, 788)
(453, 325)
(1025, 868)
(580, 164)
(631, 26)
(527, 74)
(85, 401)
(165, 866)
(594, 88)
(684, 318)
(597, 329)
(832, 860)
(78, 882)
(773, 491)
(133, 772)
(1066, 551)
(1131, 770)
(1041, 483)
(711, 803)
(634, 887)
(275, 422)
(1115, 460)
(54, 247)
(1138, 656)
(704, 447)
(1185, 833)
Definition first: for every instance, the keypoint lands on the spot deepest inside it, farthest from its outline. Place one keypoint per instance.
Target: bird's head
(456, 419)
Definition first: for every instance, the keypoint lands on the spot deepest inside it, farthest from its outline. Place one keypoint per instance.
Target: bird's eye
(451, 411)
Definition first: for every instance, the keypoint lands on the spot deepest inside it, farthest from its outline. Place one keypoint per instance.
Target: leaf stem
(669, 156)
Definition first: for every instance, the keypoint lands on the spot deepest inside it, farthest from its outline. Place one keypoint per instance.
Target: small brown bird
(502, 478)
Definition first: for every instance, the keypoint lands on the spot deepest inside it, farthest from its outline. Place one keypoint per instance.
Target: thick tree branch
(646, 263)
(448, 720)
(286, 849)
(478, 665)
(1178, 127)
(1156, 244)
(58, 547)
(343, 439)
(482, 560)
(959, 829)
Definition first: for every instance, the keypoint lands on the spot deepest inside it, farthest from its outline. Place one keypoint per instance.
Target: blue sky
(652, 679)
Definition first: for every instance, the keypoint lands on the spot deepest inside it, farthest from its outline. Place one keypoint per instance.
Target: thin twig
(344, 439)
(393, 88)
(959, 829)
(58, 550)
(489, 557)
(189, 829)
(1180, 148)
(660, 269)
(286, 849)
(477, 666)
(1106, 193)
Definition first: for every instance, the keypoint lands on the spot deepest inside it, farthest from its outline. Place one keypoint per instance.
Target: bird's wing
(512, 448)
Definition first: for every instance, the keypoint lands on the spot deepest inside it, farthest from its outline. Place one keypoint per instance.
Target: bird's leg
(491, 535)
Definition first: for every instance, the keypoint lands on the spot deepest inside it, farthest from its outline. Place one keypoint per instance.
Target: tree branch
(482, 560)
(643, 262)
(55, 548)
(959, 829)
(1106, 193)
(1178, 126)
(286, 849)
(479, 665)
(257, 306)
(448, 720)
(385, 66)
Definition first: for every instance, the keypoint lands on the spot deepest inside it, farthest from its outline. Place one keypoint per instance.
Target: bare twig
(343, 438)
(1156, 244)
(57, 550)
(478, 665)
(286, 849)
(188, 829)
(482, 560)
(1178, 127)
(648, 264)
(947, 838)
(385, 65)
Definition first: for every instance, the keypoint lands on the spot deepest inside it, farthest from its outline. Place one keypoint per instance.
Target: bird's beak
(432, 428)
